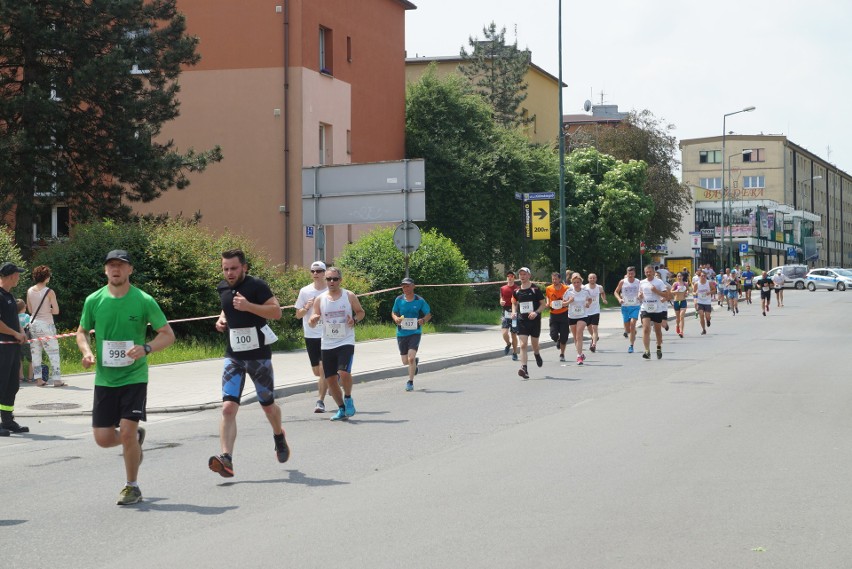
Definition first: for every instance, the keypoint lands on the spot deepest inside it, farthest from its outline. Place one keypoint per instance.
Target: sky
(688, 62)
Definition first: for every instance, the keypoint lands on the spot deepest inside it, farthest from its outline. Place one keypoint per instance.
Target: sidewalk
(191, 386)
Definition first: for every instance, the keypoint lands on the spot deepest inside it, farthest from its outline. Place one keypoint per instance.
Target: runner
(313, 336)
(734, 292)
(748, 282)
(339, 310)
(119, 313)
(578, 299)
(653, 294)
(527, 305)
(593, 313)
(764, 283)
(410, 312)
(679, 293)
(247, 304)
(558, 313)
(507, 324)
(665, 305)
(778, 281)
(627, 293)
(704, 291)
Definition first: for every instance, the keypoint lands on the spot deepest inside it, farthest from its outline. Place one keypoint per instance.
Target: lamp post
(563, 255)
(724, 135)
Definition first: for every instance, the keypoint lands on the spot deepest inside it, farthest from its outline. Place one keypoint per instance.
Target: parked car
(832, 278)
(794, 275)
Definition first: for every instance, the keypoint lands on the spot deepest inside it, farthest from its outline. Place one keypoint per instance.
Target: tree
(644, 138)
(85, 87)
(473, 170)
(497, 71)
(607, 211)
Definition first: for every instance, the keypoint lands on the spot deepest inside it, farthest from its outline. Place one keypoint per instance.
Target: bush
(436, 261)
(9, 252)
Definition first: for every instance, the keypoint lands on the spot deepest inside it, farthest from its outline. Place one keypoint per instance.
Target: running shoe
(666, 326)
(409, 386)
(659, 352)
(514, 357)
(129, 495)
(583, 356)
(708, 322)
(677, 329)
(222, 465)
(282, 450)
(593, 347)
(416, 366)
(506, 350)
(538, 361)
(630, 349)
(320, 408)
(348, 406)
(340, 415)
(680, 334)
(647, 355)
(703, 332)
(579, 360)
(140, 435)
(764, 313)
(523, 373)
(561, 357)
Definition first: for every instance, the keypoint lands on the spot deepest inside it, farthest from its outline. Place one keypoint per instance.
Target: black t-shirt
(532, 294)
(9, 315)
(255, 291)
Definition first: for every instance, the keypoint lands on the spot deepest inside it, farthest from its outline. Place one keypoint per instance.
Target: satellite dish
(587, 106)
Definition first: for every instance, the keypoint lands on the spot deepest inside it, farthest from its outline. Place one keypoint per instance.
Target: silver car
(830, 279)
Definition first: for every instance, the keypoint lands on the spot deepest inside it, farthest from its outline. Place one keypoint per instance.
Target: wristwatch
(147, 349)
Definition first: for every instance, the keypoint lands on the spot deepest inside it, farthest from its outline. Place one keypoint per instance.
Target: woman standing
(42, 305)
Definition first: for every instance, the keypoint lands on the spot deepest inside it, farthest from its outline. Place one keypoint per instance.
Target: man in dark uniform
(11, 338)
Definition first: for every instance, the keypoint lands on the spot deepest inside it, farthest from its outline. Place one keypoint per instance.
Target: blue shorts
(679, 304)
(629, 313)
(234, 379)
(731, 293)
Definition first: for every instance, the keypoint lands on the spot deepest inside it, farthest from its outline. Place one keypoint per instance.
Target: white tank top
(333, 313)
(45, 313)
(630, 292)
(703, 293)
(595, 293)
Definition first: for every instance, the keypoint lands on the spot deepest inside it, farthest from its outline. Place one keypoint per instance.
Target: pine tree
(85, 87)
(497, 72)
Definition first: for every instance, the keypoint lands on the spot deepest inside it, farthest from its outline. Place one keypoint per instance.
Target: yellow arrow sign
(540, 222)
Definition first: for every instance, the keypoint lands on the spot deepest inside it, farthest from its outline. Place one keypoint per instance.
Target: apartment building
(782, 203)
(282, 85)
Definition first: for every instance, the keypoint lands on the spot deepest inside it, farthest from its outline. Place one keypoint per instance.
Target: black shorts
(338, 359)
(704, 307)
(779, 290)
(314, 347)
(593, 319)
(406, 343)
(530, 328)
(656, 317)
(506, 324)
(112, 404)
(573, 321)
(766, 294)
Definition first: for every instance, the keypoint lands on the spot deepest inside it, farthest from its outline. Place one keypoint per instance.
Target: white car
(830, 279)
(794, 275)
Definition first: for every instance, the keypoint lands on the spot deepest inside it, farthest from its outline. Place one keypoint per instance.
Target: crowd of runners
(576, 306)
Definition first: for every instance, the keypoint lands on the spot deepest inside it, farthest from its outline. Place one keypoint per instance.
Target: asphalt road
(732, 451)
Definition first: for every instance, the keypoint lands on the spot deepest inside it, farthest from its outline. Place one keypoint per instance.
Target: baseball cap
(119, 254)
(318, 265)
(525, 269)
(407, 280)
(9, 269)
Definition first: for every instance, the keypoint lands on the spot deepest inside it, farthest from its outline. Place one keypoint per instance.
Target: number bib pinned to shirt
(526, 307)
(115, 353)
(651, 306)
(408, 324)
(576, 309)
(334, 330)
(244, 339)
(556, 304)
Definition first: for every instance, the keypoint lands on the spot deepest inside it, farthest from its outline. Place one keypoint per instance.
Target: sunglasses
(332, 279)
(317, 271)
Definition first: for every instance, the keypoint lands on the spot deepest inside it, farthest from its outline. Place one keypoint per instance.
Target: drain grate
(53, 406)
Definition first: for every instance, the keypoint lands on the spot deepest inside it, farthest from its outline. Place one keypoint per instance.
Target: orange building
(285, 84)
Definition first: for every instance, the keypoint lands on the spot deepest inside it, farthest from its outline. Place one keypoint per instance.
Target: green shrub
(9, 252)
(436, 261)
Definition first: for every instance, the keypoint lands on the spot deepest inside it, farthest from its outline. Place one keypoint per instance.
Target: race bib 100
(244, 339)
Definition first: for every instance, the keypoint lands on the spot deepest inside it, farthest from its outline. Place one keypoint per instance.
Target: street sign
(743, 247)
(309, 231)
(791, 251)
(642, 247)
(406, 237)
(695, 236)
(540, 213)
(535, 196)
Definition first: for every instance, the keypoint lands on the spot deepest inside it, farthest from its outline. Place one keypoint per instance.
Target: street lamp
(563, 255)
(724, 134)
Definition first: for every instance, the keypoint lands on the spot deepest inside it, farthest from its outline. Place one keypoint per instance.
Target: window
(754, 181)
(710, 183)
(754, 155)
(348, 142)
(325, 51)
(325, 144)
(710, 156)
(349, 49)
(50, 221)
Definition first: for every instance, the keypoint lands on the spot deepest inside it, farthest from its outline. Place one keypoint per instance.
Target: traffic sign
(642, 247)
(407, 237)
(743, 247)
(540, 221)
(535, 196)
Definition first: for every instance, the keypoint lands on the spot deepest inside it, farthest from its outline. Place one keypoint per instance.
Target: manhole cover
(53, 406)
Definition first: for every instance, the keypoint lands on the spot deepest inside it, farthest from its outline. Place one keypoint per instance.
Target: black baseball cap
(119, 254)
(9, 269)
(407, 281)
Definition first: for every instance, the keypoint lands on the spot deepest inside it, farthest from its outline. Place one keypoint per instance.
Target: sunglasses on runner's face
(332, 279)
(317, 271)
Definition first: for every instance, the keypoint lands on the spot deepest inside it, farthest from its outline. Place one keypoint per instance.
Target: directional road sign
(539, 219)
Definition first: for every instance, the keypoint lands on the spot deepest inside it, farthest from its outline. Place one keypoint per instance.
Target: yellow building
(541, 104)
